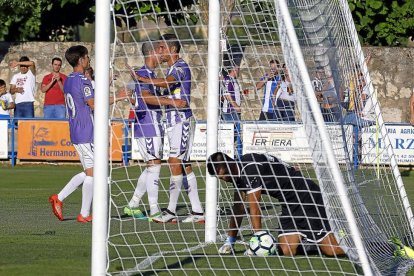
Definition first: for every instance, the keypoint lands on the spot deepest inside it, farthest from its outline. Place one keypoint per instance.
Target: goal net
(305, 97)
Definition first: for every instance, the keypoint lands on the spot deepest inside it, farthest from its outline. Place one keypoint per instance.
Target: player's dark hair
(148, 46)
(74, 53)
(274, 61)
(2, 82)
(228, 68)
(172, 41)
(56, 58)
(24, 58)
(217, 160)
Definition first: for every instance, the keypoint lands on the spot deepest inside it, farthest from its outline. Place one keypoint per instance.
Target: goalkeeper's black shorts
(309, 221)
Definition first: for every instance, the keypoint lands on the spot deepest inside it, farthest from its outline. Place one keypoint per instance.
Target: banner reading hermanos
(50, 140)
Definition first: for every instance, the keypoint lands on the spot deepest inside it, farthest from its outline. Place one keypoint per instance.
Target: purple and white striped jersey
(78, 89)
(148, 117)
(230, 87)
(179, 90)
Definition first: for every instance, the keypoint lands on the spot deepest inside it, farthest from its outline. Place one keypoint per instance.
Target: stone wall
(391, 69)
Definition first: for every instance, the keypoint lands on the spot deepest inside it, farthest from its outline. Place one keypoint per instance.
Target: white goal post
(101, 139)
(317, 111)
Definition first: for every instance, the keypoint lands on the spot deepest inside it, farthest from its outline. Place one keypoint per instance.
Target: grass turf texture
(34, 242)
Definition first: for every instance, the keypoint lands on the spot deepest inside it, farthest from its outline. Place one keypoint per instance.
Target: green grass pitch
(34, 242)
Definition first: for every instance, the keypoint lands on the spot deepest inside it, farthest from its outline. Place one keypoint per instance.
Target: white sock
(72, 185)
(153, 180)
(176, 181)
(139, 190)
(193, 193)
(87, 195)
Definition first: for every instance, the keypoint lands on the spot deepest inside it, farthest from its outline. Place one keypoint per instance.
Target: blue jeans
(267, 116)
(332, 114)
(24, 110)
(352, 119)
(230, 117)
(54, 111)
(285, 110)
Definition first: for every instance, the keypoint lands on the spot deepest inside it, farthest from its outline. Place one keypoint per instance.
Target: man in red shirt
(52, 86)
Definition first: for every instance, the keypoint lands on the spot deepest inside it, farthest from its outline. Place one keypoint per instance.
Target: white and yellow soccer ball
(262, 244)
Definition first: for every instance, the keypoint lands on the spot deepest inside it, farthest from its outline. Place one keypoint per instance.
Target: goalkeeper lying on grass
(303, 215)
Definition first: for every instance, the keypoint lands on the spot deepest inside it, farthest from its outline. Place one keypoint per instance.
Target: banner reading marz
(288, 142)
(50, 140)
(402, 143)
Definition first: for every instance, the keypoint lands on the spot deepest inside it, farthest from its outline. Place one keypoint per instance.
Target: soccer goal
(306, 97)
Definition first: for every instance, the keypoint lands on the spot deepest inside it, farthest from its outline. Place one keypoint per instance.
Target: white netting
(254, 34)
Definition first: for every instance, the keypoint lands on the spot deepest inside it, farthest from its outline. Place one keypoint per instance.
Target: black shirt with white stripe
(279, 180)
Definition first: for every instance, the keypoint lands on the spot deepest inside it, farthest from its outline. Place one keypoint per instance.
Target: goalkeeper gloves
(227, 247)
(402, 250)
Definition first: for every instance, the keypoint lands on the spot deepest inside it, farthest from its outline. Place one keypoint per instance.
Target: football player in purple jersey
(180, 129)
(149, 131)
(79, 100)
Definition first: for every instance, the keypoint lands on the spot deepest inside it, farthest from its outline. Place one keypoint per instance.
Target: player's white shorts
(180, 137)
(85, 152)
(150, 148)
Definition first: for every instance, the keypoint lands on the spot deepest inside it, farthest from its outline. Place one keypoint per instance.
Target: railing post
(13, 153)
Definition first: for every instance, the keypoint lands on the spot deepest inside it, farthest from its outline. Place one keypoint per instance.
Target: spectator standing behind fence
(6, 101)
(326, 94)
(23, 86)
(270, 82)
(285, 99)
(52, 86)
(359, 93)
(230, 97)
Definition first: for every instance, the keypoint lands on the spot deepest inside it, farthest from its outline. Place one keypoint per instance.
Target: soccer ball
(262, 244)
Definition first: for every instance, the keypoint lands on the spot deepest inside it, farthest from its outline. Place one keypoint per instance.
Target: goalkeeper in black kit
(303, 217)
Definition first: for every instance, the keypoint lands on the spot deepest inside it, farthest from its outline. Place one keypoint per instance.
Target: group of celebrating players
(303, 218)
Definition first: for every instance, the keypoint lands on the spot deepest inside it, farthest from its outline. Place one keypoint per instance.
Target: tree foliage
(42, 19)
(383, 23)
(378, 22)
(153, 10)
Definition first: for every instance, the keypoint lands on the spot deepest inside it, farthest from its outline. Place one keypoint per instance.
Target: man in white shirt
(23, 86)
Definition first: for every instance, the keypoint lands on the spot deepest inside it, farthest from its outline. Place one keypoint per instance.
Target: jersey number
(70, 106)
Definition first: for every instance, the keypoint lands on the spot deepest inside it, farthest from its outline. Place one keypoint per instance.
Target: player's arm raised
(160, 82)
(154, 100)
